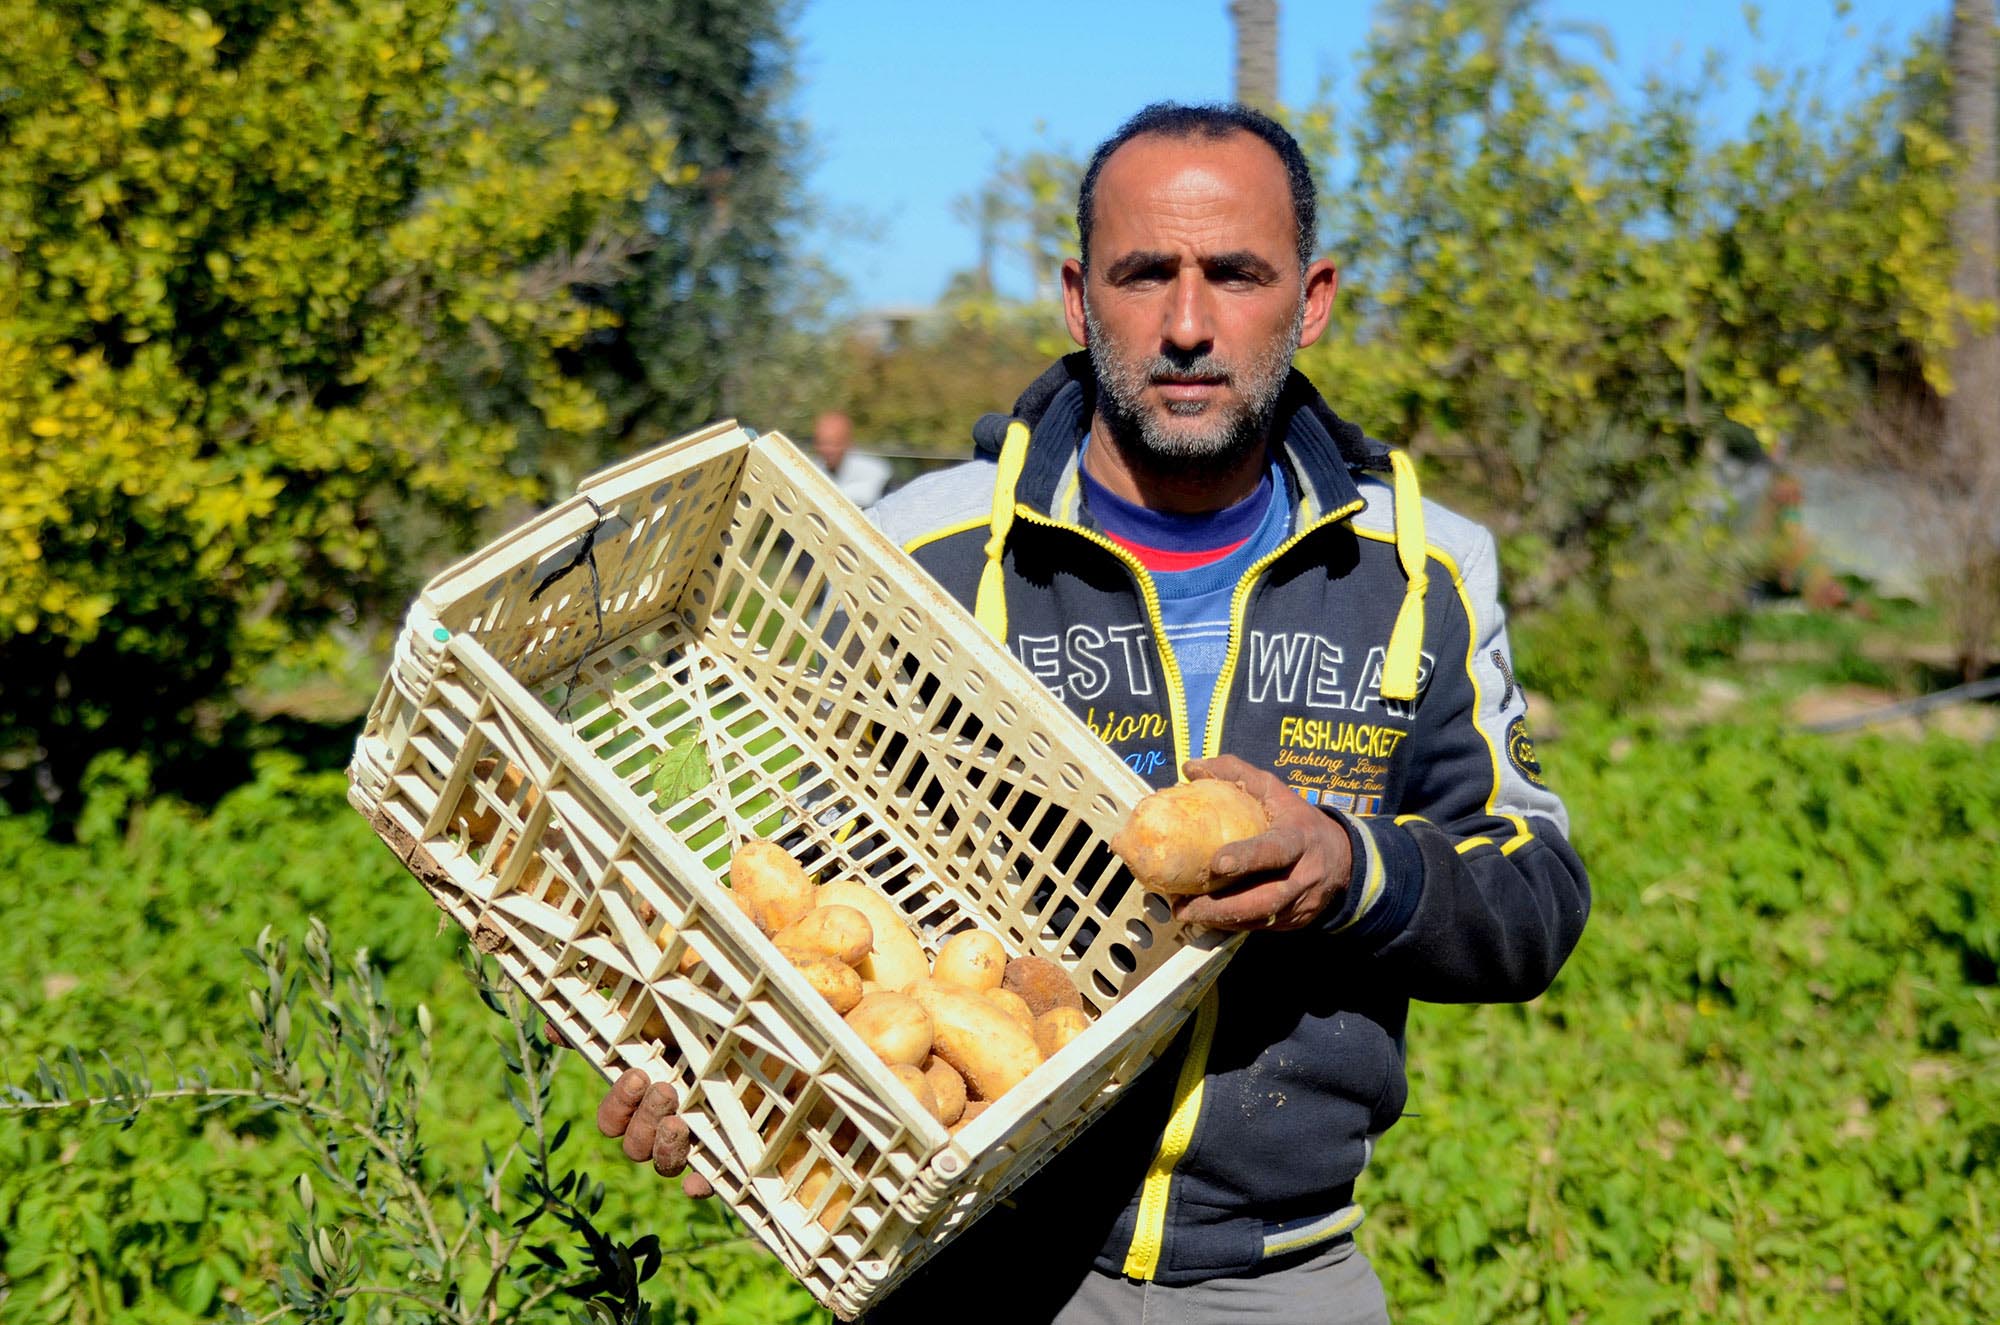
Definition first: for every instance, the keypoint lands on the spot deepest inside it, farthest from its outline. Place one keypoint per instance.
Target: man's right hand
(641, 1111)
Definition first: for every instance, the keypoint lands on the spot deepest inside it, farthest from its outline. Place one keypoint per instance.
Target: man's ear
(1322, 280)
(1072, 286)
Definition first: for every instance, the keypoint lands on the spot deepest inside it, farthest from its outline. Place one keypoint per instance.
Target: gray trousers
(1335, 1286)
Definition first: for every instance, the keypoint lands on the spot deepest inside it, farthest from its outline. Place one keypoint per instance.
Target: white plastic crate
(532, 758)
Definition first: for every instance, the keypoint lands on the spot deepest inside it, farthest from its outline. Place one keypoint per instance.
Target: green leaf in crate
(682, 769)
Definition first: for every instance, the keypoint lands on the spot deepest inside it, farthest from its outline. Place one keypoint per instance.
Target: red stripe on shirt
(1162, 559)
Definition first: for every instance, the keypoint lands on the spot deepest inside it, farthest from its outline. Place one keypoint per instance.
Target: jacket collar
(1319, 449)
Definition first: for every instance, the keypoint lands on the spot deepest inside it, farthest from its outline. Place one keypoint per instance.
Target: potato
(1012, 1004)
(948, 1088)
(973, 959)
(836, 931)
(919, 1085)
(769, 885)
(895, 1026)
(1057, 1027)
(775, 1070)
(972, 1110)
(1043, 983)
(481, 823)
(988, 1047)
(897, 958)
(689, 960)
(818, 1177)
(1171, 836)
(832, 979)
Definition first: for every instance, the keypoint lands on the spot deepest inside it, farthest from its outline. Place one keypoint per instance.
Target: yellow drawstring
(1399, 669)
(1406, 642)
(991, 604)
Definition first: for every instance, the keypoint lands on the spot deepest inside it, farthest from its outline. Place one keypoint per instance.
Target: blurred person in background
(1212, 550)
(861, 478)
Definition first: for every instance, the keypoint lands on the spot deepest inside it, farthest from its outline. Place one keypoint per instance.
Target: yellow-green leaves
(1532, 267)
(274, 280)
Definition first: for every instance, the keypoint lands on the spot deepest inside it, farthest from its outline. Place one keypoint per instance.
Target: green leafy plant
(348, 1071)
(128, 938)
(1754, 1093)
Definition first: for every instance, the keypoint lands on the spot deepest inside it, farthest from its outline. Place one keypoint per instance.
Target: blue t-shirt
(1195, 562)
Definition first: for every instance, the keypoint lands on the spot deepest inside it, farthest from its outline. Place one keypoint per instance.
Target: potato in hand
(1171, 836)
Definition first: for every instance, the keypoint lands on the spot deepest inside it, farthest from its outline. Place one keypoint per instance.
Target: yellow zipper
(1239, 605)
(1142, 1258)
(1170, 668)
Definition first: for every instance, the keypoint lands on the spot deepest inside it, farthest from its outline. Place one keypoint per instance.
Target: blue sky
(907, 103)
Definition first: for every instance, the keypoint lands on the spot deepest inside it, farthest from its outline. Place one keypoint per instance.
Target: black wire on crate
(585, 555)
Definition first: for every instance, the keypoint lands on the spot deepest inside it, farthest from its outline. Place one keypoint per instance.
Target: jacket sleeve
(1472, 893)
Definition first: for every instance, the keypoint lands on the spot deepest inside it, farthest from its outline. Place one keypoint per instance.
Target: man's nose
(1188, 323)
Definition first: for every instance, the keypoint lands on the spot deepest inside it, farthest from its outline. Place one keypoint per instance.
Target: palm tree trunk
(1972, 410)
(1256, 24)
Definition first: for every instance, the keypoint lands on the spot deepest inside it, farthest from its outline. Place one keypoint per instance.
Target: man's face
(832, 434)
(1194, 301)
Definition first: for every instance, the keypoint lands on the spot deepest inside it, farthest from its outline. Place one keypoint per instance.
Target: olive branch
(376, 1227)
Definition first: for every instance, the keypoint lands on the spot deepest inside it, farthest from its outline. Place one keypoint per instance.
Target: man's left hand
(1286, 876)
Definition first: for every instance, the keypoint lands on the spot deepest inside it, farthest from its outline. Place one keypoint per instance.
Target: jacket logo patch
(1521, 751)
(1346, 801)
(1342, 764)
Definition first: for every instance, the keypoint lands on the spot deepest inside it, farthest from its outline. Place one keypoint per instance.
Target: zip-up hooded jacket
(1368, 667)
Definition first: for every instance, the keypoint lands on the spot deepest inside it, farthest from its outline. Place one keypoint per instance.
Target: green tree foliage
(922, 388)
(709, 300)
(1564, 301)
(277, 280)
(1025, 217)
(1571, 305)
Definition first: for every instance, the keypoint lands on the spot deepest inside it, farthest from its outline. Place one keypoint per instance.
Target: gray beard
(1233, 436)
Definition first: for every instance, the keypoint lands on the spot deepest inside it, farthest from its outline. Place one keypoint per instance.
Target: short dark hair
(1172, 119)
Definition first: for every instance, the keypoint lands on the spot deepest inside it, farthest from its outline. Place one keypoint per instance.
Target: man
(1185, 531)
(860, 477)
